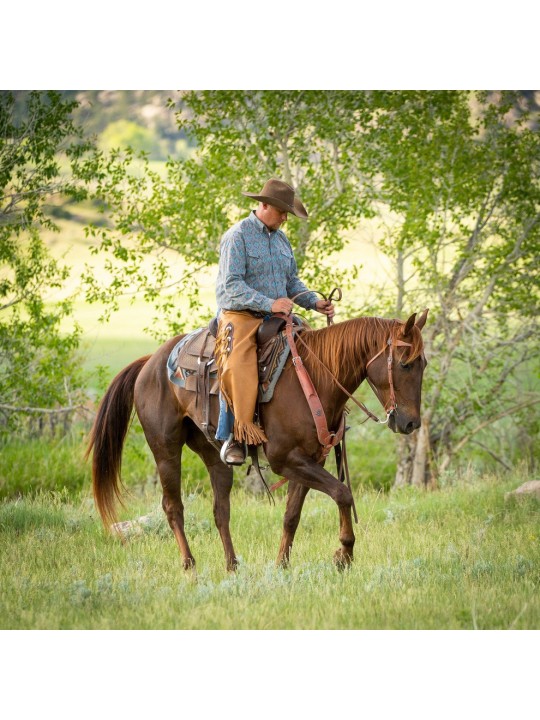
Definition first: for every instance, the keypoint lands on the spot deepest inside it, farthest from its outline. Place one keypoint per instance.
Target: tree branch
(493, 455)
(45, 411)
(489, 421)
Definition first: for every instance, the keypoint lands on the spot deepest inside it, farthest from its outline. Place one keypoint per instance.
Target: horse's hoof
(342, 559)
(232, 566)
(189, 564)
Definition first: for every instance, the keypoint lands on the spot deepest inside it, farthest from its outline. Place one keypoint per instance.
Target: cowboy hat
(280, 195)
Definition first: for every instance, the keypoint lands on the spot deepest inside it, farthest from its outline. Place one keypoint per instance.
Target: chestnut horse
(351, 351)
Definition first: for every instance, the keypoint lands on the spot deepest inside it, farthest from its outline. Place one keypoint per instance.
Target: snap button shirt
(257, 266)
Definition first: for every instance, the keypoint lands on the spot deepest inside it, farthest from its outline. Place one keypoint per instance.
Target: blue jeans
(225, 422)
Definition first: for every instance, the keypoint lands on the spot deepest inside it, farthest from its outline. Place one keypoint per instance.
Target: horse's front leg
(308, 473)
(344, 555)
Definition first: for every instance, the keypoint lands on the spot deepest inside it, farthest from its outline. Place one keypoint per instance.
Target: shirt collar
(259, 223)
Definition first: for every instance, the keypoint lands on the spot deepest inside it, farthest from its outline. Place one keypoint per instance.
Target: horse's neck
(363, 340)
(359, 341)
(375, 332)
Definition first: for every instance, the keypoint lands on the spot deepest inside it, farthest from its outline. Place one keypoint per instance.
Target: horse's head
(395, 374)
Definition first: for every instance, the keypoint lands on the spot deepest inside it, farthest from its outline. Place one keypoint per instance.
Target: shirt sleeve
(295, 286)
(233, 292)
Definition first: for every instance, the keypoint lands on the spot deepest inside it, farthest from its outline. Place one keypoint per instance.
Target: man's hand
(282, 305)
(325, 307)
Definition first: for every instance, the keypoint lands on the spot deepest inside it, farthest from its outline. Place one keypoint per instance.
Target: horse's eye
(405, 366)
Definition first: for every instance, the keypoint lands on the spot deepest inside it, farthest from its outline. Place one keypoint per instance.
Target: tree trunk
(422, 473)
(405, 453)
(414, 465)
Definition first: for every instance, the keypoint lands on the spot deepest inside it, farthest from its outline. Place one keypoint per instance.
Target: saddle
(191, 364)
(192, 359)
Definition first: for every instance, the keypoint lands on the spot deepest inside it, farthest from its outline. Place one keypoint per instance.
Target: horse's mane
(347, 346)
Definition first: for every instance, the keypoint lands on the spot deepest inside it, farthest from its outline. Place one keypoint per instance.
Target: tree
(42, 154)
(461, 176)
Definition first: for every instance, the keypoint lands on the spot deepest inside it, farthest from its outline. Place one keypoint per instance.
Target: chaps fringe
(249, 433)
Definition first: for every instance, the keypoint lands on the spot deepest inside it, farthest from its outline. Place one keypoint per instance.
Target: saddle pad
(183, 363)
(272, 358)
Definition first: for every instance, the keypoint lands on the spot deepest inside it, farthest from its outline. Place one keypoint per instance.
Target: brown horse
(351, 351)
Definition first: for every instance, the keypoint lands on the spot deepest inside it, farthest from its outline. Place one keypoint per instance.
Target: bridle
(392, 404)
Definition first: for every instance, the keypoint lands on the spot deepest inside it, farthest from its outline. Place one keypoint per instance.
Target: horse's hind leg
(166, 447)
(295, 501)
(221, 477)
(169, 473)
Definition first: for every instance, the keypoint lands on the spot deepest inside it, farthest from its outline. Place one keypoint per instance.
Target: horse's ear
(409, 325)
(422, 319)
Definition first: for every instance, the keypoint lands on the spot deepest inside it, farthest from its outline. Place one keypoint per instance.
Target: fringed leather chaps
(236, 359)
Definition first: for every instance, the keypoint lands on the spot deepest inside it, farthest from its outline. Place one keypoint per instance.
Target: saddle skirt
(197, 349)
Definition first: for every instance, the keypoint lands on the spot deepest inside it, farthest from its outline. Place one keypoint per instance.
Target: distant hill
(98, 108)
(138, 117)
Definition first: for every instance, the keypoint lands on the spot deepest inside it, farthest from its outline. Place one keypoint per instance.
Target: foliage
(41, 156)
(242, 138)
(461, 177)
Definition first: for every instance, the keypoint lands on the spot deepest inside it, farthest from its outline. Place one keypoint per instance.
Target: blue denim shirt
(257, 266)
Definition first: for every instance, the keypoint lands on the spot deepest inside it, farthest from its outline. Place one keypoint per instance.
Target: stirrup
(225, 447)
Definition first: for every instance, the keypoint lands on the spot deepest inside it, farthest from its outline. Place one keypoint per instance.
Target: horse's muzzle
(403, 424)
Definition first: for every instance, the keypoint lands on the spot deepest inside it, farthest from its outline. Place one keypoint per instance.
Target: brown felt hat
(280, 195)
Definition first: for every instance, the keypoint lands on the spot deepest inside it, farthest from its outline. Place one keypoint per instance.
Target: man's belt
(254, 313)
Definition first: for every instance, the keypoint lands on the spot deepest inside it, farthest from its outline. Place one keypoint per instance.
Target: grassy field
(458, 558)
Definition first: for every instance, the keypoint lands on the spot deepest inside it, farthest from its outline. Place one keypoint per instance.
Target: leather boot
(233, 452)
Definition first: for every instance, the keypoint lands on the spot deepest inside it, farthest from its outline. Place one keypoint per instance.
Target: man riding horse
(257, 276)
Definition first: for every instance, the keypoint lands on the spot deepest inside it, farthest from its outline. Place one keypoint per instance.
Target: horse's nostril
(413, 425)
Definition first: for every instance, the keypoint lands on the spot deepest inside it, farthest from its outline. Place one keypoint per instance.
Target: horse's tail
(107, 439)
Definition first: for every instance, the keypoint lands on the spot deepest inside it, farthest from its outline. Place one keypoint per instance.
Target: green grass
(112, 354)
(33, 466)
(458, 558)
(37, 465)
